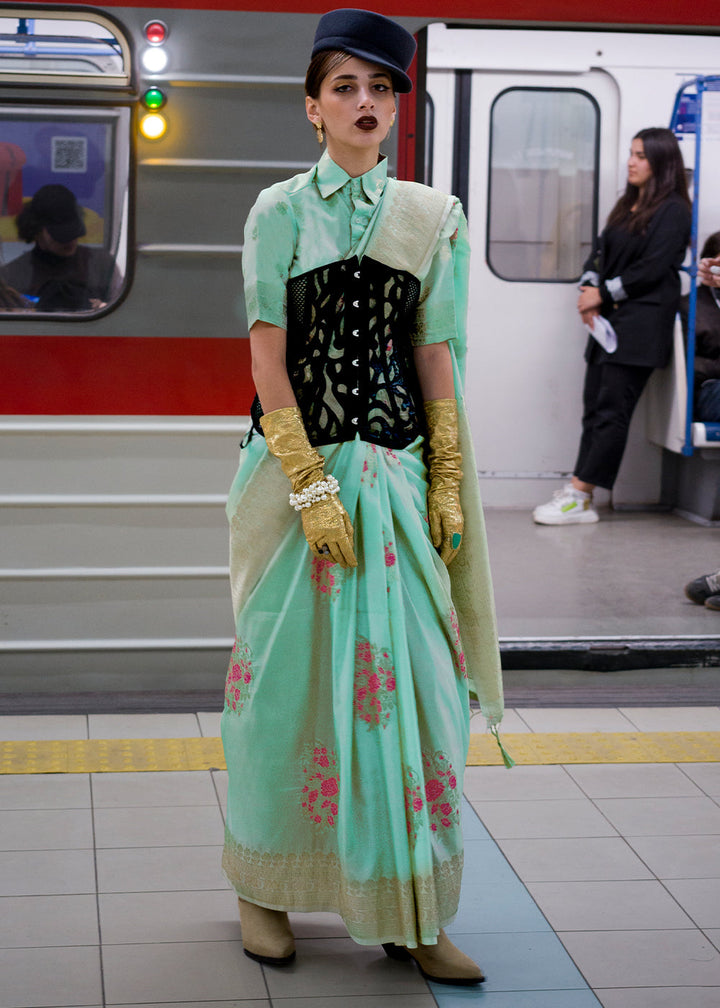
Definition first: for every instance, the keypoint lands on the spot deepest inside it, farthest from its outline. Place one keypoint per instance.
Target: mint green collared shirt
(321, 217)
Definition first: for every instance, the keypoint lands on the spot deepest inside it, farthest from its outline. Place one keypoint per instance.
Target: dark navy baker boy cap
(371, 37)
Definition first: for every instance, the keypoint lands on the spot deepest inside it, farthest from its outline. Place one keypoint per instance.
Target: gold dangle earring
(319, 132)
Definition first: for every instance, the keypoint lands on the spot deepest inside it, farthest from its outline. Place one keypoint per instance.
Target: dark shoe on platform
(266, 934)
(442, 963)
(703, 588)
(713, 602)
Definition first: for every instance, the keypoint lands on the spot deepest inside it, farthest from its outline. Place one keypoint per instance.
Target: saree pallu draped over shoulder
(346, 719)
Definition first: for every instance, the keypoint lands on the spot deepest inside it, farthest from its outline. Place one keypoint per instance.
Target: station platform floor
(592, 870)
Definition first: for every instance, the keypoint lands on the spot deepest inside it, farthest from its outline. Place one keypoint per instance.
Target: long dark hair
(668, 176)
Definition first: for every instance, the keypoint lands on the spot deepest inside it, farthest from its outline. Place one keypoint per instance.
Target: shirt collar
(330, 177)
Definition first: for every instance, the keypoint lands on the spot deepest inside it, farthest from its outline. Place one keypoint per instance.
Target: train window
(542, 199)
(61, 47)
(64, 175)
(64, 162)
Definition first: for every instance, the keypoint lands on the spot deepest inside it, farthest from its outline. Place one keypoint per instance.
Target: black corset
(349, 355)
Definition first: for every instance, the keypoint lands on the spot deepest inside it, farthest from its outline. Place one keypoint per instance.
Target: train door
(531, 128)
(540, 152)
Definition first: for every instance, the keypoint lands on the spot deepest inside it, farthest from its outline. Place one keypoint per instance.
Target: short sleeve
(442, 307)
(267, 256)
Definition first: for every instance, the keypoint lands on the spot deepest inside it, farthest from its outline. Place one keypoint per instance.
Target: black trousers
(609, 399)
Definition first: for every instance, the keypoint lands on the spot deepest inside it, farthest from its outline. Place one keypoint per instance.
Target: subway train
(121, 417)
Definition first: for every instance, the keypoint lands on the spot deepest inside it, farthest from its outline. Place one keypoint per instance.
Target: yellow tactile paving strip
(531, 749)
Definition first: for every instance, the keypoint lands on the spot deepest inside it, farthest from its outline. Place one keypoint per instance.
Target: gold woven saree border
(374, 911)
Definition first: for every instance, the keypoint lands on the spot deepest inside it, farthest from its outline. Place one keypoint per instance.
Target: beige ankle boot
(266, 934)
(443, 963)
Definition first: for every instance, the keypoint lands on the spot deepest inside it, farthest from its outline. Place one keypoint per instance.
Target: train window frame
(594, 105)
(106, 210)
(70, 18)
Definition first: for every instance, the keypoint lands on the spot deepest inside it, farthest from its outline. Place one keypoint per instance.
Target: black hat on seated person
(57, 210)
(371, 37)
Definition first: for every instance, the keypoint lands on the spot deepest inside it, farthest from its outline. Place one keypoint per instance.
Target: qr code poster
(69, 154)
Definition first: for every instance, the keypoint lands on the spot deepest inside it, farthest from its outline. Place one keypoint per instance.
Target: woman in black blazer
(632, 281)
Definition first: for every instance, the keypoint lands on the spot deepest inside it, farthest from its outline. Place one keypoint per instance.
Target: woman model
(346, 718)
(632, 281)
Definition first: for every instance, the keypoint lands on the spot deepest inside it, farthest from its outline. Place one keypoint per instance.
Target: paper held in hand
(603, 332)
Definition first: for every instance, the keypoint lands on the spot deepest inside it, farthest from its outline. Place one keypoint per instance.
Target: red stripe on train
(110, 375)
(621, 12)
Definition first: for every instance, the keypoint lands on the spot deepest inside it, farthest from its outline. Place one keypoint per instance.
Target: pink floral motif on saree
(458, 653)
(238, 684)
(322, 785)
(326, 577)
(441, 791)
(374, 684)
(437, 799)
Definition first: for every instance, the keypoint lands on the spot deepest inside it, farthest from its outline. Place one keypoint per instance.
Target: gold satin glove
(444, 463)
(326, 524)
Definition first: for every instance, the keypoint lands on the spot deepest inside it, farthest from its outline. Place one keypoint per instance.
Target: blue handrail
(682, 116)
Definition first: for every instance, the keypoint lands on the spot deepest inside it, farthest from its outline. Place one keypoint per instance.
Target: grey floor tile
(679, 856)
(705, 775)
(523, 961)
(714, 936)
(28, 727)
(551, 818)
(37, 921)
(643, 780)
(644, 958)
(425, 1000)
(523, 783)
(340, 968)
(457, 998)
(152, 789)
(575, 719)
(143, 726)
(209, 722)
(575, 860)
(317, 925)
(660, 997)
(220, 779)
(601, 906)
(46, 977)
(255, 1003)
(160, 869)
(44, 791)
(29, 873)
(700, 898)
(51, 829)
(143, 918)
(485, 862)
(472, 826)
(662, 816)
(496, 907)
(673, 719)
(180, 971)
(160, 827)
(512, 724)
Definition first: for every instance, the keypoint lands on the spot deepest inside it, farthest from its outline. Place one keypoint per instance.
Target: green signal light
(153, 98)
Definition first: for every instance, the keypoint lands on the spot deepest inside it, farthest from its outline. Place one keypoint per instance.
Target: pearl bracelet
(315, 492)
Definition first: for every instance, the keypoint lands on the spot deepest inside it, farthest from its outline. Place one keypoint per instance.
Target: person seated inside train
(706, 389)
(58, 273)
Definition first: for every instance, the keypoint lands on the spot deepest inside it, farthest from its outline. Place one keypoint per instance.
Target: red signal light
(156, 32)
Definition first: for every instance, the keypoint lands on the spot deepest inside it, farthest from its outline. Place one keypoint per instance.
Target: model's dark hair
(321, 65)
(711, 248)
(668, 176)
(28, 224)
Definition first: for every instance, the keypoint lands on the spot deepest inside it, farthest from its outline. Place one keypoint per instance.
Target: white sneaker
(567, 507)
